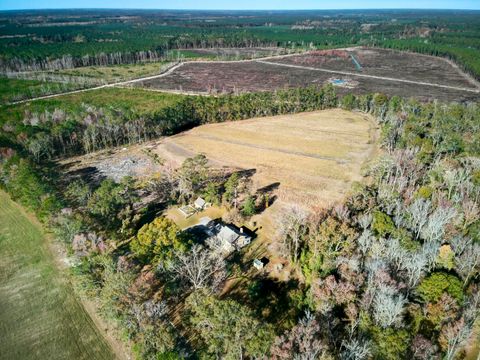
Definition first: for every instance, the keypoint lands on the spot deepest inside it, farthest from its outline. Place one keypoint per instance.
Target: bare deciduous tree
(418, 212)
(292, 229)
(199, 267)
(355, 349)
(364, 241)
(388, 306)
(456, 334)
(435, 227)
(303, 342)
(467, 259)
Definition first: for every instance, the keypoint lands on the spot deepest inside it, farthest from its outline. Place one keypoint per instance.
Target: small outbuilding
(199, 204)
(258, 264)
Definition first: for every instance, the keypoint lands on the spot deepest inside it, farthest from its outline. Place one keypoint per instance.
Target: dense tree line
(150, 36)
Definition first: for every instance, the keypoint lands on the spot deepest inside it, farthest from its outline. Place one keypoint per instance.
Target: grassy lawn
(176, 216)
(39, 316)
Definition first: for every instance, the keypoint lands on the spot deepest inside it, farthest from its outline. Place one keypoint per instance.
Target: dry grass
(314, 156)
(117, 72)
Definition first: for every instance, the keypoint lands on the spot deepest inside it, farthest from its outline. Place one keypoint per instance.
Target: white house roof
(199, 202)
(227, 234)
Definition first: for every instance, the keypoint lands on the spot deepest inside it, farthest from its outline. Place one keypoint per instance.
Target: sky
(240, 4)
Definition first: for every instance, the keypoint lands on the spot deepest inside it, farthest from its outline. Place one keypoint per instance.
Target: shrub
(424, 192)
(382, 224)
(433, 286)
(390, 344)
(249, 207)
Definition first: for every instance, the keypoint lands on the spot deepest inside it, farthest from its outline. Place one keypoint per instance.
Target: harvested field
(218, 77)
(385, 71)
(313, 156)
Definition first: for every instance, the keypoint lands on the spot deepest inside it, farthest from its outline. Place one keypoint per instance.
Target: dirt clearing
(371, 70)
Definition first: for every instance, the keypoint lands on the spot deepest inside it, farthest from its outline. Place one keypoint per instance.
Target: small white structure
(199, 203)
(258, 264)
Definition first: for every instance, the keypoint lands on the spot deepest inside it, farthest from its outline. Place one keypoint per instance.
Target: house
(199, 204)
(224, 237)
(231, 238)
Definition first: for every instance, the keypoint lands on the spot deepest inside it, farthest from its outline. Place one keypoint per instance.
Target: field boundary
(49, 261)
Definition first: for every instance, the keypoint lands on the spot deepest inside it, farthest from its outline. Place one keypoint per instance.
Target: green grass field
(19, 89)
(40, 318)
(141, 101)
(117, 72)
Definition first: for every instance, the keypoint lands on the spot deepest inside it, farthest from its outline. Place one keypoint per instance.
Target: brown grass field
(314, 156)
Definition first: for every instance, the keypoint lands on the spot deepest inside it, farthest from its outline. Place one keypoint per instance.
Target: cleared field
(39, 316)
(384, 63)
(389, 72)
(313, 156)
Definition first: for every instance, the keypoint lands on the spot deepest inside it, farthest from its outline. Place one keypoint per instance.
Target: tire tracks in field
(152, 77)
(269, 148)
(348, 73)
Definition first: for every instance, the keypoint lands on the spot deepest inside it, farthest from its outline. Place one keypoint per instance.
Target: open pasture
(371, 70)
(313, 157)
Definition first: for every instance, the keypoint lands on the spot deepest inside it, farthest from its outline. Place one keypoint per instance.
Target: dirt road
(347, 73)
(264, 60)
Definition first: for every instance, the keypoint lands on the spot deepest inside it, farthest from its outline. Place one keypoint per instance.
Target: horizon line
(271, 10)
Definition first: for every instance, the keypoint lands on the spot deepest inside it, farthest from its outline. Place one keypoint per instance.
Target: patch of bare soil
(370, 70)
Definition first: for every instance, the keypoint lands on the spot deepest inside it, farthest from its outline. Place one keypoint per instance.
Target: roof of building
(199, 202)
(230, 234)
(205, 221)
(258, 263)
(227, 234)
